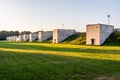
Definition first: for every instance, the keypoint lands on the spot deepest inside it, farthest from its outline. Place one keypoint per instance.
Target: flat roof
(64, 29)
(99, 24)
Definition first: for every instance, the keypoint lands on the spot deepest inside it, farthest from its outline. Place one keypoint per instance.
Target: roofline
(98, 24)
(64, 29)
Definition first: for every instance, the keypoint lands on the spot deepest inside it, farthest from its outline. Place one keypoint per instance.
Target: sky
(36, 15)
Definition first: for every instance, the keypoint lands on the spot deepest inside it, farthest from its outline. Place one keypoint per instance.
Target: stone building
(96, 34)
(61, 34)
(33, 37)
(20, 38)
(26, 37)
(12, 38)
(8, 38)
(42, 36)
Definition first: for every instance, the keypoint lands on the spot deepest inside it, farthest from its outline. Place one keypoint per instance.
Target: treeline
(4, 34)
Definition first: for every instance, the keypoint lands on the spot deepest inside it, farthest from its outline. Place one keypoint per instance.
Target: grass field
(43, 61)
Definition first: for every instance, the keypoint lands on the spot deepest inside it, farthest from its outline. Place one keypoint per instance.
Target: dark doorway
(93, 41)
(54, 40)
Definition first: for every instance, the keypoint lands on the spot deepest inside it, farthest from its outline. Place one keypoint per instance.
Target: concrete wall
(105, 32)
(12, 38)
(8, 38)
(33, 36)
(20, 38)
(93, 32)
(42, 36)
(96, 34)
(25, 37)
(61, 34)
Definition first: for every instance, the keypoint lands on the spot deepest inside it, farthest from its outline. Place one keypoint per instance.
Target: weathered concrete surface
(26, 37)
(96, 34)
(42, 36)
(61, 34)
(33, 36)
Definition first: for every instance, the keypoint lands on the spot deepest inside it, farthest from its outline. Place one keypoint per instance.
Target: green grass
(114, 39)
(43, 61)
(76, 39)
(49, 40)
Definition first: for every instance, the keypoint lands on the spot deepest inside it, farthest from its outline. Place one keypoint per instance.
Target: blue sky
(35, 15)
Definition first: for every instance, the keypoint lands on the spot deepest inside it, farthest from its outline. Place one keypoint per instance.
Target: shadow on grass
(47, 48)
(21, 66)
(115, 43)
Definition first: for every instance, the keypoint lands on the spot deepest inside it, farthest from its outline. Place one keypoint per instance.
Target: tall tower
(63, 26)
(108, 19)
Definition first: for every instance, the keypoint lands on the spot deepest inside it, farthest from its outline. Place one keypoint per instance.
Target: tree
(4, 34)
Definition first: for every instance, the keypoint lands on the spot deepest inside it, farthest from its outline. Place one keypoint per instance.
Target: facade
(42, 36)
(26, 37)
(33, 37)
(8, 38)
(12, 38)
(96, 34)
(61, 34)
(19, 38)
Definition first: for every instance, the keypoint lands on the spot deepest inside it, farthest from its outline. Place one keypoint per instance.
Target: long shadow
(40, 47)
(45, 67)
(72, 49)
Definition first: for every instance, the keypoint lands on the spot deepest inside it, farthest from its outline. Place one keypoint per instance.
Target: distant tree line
(25, 32)
(4, 34)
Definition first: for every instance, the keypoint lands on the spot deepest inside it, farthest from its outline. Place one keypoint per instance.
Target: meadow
(46, 61)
